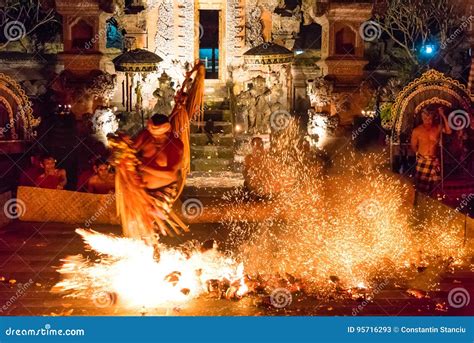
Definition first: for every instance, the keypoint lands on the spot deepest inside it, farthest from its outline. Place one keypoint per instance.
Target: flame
(127, 268)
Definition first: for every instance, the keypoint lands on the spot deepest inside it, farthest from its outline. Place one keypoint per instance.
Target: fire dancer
(51, 177)
(424, 142)
(151, 169)
(161, 154)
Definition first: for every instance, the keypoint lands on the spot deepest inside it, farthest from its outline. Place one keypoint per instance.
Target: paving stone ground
(31, 251)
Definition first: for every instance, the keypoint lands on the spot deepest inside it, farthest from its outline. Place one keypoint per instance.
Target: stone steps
(218, 115)
(198, 139)
(215, 92)
(219, 127)
(219, 156)
(212, 151)
(211, 164)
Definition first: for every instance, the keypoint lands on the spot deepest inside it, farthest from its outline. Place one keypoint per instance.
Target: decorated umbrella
(131, 62)
(268, 53)
(137, 61)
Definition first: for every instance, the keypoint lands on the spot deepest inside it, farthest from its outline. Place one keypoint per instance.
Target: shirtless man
(51, 177)
(424, 142)
(103, 181)
(161, 154)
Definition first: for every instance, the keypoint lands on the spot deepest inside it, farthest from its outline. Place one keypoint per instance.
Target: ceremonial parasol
(268, 53)
(135, 61)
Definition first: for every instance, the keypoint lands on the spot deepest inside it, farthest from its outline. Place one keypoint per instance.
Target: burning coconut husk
(126, 272)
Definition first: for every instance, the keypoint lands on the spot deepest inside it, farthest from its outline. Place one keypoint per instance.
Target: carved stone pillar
(342, 46)
(235, 31)
(84, 35)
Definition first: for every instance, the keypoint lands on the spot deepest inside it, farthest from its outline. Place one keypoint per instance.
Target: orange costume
(143, 210)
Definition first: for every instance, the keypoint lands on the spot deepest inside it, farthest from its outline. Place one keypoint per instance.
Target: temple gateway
(266, 61)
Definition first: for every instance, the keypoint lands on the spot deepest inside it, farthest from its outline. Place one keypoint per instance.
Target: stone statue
(277, 97)
(164, 95)
(256, 105)
(246, 110)
(320, 92)
(104, 122)
(139, 101)
(322, 124)
(262, 110)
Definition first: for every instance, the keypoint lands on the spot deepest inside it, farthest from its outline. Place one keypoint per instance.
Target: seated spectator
(85, 173)
(30, 174)
(51, 177)
(103, 181)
